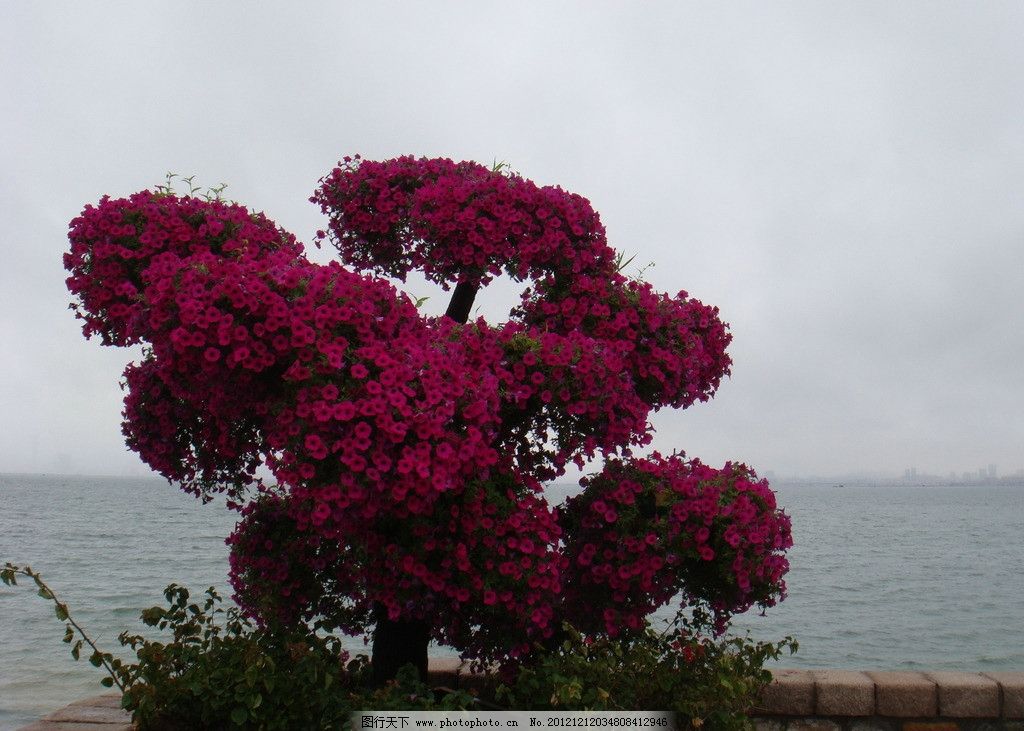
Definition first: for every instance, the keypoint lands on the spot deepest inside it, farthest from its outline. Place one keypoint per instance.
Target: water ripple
(881, 577)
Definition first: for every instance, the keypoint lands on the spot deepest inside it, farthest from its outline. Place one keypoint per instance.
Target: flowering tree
(409, 451)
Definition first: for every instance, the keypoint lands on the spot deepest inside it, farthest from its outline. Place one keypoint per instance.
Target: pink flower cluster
(649, 530)
(457, 222)
(482, 570)
(371, 418)
(255, 354)
(588, 353)
(114, 244)
(408, 451)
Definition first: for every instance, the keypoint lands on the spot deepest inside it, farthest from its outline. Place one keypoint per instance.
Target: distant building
(992, 471)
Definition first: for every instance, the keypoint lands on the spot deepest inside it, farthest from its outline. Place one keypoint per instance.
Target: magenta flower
(408, 451)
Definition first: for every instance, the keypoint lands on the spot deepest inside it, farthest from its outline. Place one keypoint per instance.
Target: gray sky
(844, 180)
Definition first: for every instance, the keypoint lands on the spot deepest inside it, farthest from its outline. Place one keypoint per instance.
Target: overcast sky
(844, 180)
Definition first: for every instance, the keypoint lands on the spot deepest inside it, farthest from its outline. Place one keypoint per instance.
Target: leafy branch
(108, 662)
(621, 262)
(194, 190)
(502, 167)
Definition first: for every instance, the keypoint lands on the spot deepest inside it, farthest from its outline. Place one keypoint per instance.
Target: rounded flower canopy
(409, 451)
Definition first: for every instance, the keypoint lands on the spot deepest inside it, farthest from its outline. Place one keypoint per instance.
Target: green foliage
(194, 191)
(709, 683)
(408, 693)
(214, 669)
(621, 262)
(113, 666)
(231, 674)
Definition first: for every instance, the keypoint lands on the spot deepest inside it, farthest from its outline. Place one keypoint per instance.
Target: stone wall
(844, 700)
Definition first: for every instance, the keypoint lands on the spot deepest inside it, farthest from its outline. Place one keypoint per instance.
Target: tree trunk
(404, 642)
(461, 302)
(397, 643)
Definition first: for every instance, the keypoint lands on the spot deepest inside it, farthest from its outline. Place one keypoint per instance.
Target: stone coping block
(843, 693)
(451, 672)
(99, 713)
(444, 671)
(966, 695)
(905, 694)
(1011, 696)
(791, 693)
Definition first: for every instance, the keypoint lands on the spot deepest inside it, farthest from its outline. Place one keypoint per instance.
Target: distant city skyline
(62, 465)
(986, 473)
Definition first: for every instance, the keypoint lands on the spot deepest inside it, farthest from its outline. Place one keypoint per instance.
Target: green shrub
(240, 675)
(710, 683)
(217, 670)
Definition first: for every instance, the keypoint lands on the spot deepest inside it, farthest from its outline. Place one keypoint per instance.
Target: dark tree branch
(462, 301)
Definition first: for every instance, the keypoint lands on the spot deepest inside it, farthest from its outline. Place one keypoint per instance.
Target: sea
(892, 577)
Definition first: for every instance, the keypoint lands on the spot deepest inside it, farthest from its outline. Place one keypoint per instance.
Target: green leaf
(152, 615)
(107, 682)
(239, 715)
(61, 610)
(76, 650)
(96, 659)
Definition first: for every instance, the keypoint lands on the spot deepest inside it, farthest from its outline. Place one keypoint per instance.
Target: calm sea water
(882, 577)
